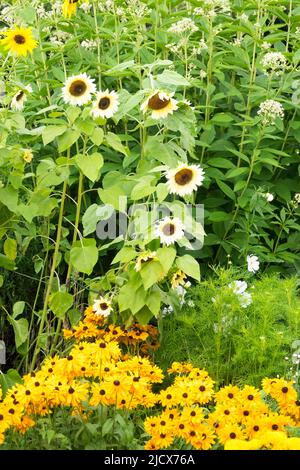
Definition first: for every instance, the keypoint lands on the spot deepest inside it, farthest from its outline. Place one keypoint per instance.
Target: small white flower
(238, 287)
(253, 263)
(245, 299)
(269, 197)
(85, 7)
(266, 45)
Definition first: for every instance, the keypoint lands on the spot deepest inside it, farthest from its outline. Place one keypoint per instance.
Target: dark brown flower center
(156, 103)
(77, 88)
(232, 435)
(284, 389)
(184, 176)
(168, 229)
(230, 395)
(19, 39)
(104, 103)
(19, 95)
(104, 306)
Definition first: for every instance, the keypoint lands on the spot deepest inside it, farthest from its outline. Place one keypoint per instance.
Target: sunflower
(178, 279)
(184, 179)
(169, 230)
(18, 100)
(160, 104)
(144, 258)
(102, 307)
(19, 41)
(106, 104)
(27, 155)
(78, 89)
(69, 8)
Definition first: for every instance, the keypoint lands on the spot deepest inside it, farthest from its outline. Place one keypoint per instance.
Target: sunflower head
(184, 179)
(106, 104)
(19, 41)
(78, 89)
(160, 104)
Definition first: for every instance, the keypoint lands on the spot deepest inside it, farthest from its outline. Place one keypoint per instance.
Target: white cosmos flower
(245, 299)
(106, 104)
(160, 104)
(184, 179)
(238, 287)
(78, 89)
(20, 97)
(169, 230)
(102, 307)
(253, 263)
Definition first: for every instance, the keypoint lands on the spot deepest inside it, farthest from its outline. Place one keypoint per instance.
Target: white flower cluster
(167, 310)
(85, 7)
(210, 8)
(7, 16)
(243, 17)
(137, 9)
(201, 47)
(269, 110)
(59, 38)
(239, 289)
(266, 45)
(274, 63)
(186, 25)
(268, 196)
(89, 44)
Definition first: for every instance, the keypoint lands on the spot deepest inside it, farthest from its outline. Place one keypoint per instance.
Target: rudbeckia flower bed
(97, 377)
(149, 224)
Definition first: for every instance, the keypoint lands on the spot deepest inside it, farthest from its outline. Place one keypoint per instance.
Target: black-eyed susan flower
(19, 99)
(106, 104)
(230, 431)
(78, 89)
(169, 230)
(184, 179)
(19, 41)
(160, 104)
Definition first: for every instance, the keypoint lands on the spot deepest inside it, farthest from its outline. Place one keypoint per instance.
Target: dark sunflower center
(156, 103)
(104, 306)
(232, 435)
(146, 260)
(184, 176)
(20, 95)
(168, 229)
(77, 88)
(104, 103)
(19, 39)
